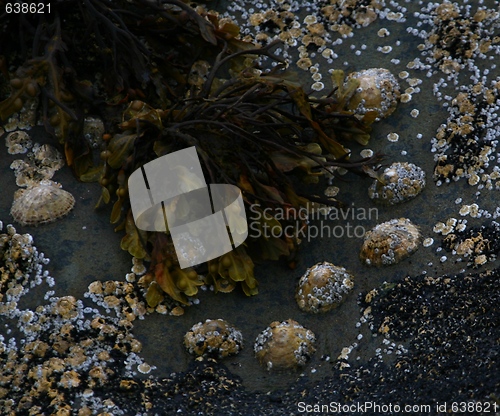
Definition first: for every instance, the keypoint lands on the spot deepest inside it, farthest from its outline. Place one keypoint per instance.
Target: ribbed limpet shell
(214, 338)
(390, 242)
(284, 345)
(40, 204)
(400, 182)
(323, 287)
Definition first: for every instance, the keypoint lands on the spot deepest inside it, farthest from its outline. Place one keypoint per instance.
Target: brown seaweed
(166, 76)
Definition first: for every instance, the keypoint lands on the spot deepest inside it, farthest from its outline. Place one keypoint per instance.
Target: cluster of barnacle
(314, 33)
(18, 142)
(464, 144)
(277, 21)
(68, 352)
(65, 355)
(457, 36)
(344, 15)
(121, 296)
(20, 267)
(476, 245)
(41, 163)
(132, 299)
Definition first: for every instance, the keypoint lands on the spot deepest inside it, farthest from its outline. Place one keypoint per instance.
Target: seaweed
(166, 76)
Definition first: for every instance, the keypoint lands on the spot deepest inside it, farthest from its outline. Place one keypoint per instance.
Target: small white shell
(390, 242)
(41, 204)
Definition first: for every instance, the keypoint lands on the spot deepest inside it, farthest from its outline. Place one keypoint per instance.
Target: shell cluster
(40, 204)
(378, 91)
(43, 200)
(398, 183)
(284, 345)
(18, 142)
(390, 242)
(41, 163)
(323, 287)
(357, 13)
(67, 349)
(214, 338)
(20, 267)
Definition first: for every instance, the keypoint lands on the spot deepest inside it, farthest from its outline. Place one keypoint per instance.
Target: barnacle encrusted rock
(378, 91)
(398, 183)
(215, 338)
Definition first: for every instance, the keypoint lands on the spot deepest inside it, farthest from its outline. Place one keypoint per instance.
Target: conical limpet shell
(284, 344)
(378, 91)
(400, 182)
(390, 242)
(213, 338)
(323, 287)
(40, 204)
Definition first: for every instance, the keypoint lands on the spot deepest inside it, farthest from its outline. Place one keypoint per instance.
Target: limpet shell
(323, 287)
(40, 204)
(214, 338)
(284, 345)
(400, 182)
(378, 91)
(390, 242)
